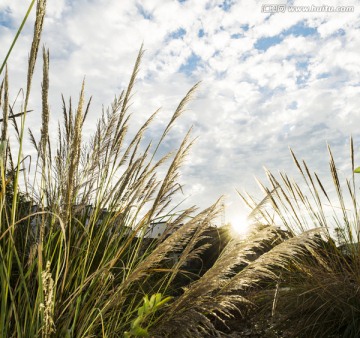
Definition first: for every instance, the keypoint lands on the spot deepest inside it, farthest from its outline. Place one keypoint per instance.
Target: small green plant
(144, 312)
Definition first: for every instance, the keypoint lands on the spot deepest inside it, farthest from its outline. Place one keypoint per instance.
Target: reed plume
(38, 27)
(45, 107)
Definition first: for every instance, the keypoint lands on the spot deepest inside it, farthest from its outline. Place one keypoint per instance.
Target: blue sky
(268, 81)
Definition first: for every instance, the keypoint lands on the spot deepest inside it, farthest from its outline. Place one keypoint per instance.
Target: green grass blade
(17, 35)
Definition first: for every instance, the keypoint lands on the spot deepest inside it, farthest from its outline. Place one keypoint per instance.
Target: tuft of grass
(74, 258)
(319, 292)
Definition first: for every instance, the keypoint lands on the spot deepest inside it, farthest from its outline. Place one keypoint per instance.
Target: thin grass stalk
(167, 184)
(353, 193)
(260, 205)
(1, 94)
(6, 256)
(17, 35)
(277, 194)
(178, 112)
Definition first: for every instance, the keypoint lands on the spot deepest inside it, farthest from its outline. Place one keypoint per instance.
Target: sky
(271, 79)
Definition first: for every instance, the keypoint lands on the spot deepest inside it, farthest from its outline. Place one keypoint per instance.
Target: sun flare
(240, 225)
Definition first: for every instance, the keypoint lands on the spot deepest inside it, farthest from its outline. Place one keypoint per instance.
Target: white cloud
(252, 104)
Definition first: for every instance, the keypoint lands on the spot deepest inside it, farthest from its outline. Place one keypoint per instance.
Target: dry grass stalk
(125, 101)
(170, 185)
(4, 129)
(180, 108)
(1, 93)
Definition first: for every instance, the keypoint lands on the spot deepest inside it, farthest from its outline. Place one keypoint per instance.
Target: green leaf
(146, 305)
(140, 332)
(357, 170)
(158, 298)
(141, 311)
(136, 323)
(152, 301)
(164, 301)
(17, 35)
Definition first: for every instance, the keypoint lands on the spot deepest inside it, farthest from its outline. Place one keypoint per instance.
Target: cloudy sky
(270, 81)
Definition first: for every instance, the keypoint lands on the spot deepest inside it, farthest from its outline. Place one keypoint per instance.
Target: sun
(240, 225)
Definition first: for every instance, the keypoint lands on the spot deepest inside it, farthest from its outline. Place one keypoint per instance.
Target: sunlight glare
(240, 225)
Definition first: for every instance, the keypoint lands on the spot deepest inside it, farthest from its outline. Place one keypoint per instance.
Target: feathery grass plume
(178, 111)
(270, 263)
(32, 140)
(170, 185)
(321, 294)
(125, 101)
(174, 243)
(38, 26)
(48, 305)
(45, 107)
(239, 253)
(193, 312)
(43, 149)
(192, 250)
(74, 155)
(261, 204)
(179, 241)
